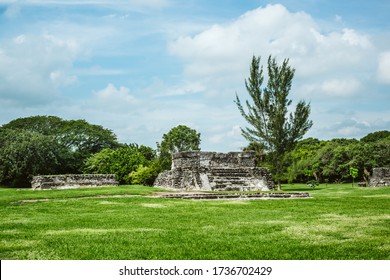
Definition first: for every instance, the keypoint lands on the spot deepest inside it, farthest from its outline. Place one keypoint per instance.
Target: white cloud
(187, 88)
(219, 135)
(111, 94)
(35, 65)
(344, 88)
(353, 38)
(351, 128)
(60, 78)
(32, 67)
(225, 49)
(383, 72)
(336, 87)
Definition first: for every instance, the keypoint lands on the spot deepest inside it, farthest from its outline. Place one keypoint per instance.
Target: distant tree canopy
(48, 145)
(79, 137)
(331, 161)
(376, 136)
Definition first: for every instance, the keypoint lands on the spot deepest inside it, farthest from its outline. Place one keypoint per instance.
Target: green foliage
(331, 160)
(79, 137)
(46, 125)
(376, 136)
(302, 160)
(148, 153)
(354, 172)
(259, 150)
(145, 175)
(24, 154)
(179, 139)
(312, 183)
(67, 144)
(121, 162)
(270, 123)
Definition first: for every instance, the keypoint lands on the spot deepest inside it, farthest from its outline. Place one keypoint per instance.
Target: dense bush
(331, 161)
(121, 162)
(47, 145)
(145, 175)
(24, 154)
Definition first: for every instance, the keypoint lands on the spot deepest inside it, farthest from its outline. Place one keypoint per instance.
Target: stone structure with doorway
(235, 171)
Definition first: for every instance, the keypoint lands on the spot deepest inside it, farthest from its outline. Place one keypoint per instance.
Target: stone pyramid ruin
(234, 171)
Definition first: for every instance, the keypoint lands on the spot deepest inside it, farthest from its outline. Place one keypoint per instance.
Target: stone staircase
(229, 179)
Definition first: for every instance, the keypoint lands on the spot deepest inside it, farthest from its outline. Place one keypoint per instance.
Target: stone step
(226, 188)
(230, 173)
(226, 182)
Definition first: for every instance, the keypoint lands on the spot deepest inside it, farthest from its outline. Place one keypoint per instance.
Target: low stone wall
(215, 172)
(219, 195)
(380, 177)
(71, 181)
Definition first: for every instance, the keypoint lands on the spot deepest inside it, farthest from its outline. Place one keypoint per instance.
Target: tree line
(50, 145)
(331, 161)
(45, 145)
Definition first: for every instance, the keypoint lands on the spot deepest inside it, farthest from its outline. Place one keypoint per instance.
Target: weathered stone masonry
(380, 177)
(71, 181)
(216, 172)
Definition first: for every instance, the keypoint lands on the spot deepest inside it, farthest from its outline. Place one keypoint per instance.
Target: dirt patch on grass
(153, 205)
(98, 231)
(81, 197)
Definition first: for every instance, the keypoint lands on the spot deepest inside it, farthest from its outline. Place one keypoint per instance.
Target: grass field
(339, 222)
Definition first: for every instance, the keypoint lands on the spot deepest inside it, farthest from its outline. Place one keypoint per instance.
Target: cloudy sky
(141, 67)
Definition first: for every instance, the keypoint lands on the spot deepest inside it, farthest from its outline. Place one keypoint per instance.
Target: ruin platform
(208, 171)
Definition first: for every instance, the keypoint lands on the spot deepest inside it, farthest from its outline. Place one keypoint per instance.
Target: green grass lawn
(339, 222)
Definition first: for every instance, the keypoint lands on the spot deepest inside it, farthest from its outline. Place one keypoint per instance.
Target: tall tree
(267, 115)
(179, 139)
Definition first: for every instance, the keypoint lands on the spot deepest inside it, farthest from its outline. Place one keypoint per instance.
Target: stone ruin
(72, 181)
(380, 177)
(208, 171)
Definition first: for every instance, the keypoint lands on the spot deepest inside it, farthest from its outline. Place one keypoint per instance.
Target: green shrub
(24, 154)
(120, 162)
(145, 175)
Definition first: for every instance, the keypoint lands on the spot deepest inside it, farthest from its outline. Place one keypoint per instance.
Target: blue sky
(140, 68)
